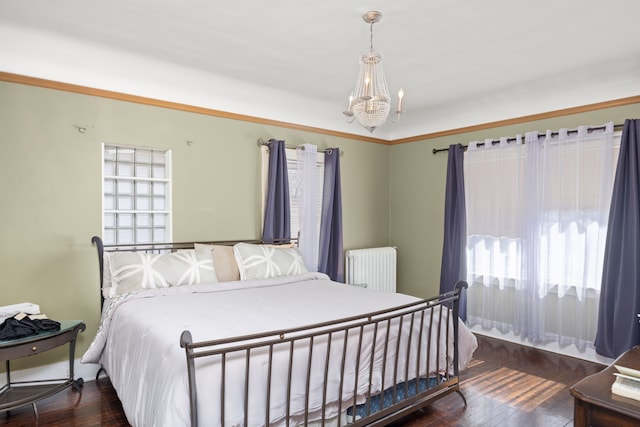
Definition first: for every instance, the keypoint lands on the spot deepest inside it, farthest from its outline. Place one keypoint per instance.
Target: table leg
(581, 414)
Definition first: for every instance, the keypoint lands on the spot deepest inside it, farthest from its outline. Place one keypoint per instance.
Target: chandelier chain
(371, 37)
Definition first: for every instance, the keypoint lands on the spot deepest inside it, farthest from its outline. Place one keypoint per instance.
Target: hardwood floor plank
(505, 385)
(509, 385)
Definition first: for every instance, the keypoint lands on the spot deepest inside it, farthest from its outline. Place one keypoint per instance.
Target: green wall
(50, 187)
(417, 193)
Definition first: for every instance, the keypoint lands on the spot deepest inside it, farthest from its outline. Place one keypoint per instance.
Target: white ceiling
(459, 62)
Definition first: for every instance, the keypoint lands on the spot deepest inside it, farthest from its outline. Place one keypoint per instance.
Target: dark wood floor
(505, 385)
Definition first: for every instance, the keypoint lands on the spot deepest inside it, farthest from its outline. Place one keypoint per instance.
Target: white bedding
(138, 341)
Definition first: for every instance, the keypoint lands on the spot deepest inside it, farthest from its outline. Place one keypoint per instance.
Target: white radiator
(374, 268)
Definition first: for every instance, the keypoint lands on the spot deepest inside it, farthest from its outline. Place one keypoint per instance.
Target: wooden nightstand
(595, 405)
(15, 394)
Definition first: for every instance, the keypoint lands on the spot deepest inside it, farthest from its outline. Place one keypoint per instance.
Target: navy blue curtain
(331, 256)
(454, 248)
(618, 328)
(277, 213)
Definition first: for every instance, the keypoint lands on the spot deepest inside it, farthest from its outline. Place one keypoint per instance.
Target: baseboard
(571, 350)
(86, 371)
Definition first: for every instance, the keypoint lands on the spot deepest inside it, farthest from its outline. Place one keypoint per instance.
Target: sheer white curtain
(307, 198)
(536, 222)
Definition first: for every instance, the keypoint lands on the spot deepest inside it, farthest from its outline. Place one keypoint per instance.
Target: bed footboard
(364, 370)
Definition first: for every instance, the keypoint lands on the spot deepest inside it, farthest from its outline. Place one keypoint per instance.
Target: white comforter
(138, 340)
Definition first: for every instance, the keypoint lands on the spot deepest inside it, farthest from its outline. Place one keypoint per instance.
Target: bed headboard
(166, 248)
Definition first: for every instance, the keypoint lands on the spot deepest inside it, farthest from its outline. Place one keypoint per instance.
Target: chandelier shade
(370, 102)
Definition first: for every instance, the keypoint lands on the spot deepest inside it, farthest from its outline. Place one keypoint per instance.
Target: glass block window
(136, 195)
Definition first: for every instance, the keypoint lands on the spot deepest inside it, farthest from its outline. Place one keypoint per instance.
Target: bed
(240, 334)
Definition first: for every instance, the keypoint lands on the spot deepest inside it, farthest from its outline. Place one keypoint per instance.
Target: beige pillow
(224, 262)
(281, 246)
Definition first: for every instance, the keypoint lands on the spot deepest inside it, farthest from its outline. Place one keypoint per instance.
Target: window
(555, 199)
(136, 195)
(296, 185)
(536, 229)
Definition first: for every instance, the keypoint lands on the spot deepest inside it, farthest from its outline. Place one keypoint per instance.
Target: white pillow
(265, 261)
(131, 271)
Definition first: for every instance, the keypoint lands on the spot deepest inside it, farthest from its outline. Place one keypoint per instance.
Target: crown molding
(523, 119)
(85, 90)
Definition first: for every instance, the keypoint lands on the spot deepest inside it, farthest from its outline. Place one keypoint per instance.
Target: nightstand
(595, 405)
(19, 393)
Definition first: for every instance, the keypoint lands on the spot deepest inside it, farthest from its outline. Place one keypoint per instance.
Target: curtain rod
(293, 147)
(540, 135)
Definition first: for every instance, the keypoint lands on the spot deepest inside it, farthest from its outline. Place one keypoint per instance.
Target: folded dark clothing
(13, 328)
(43, 325)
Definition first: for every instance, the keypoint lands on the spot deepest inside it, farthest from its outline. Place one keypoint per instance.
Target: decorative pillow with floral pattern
(131, 271)
(266, 261)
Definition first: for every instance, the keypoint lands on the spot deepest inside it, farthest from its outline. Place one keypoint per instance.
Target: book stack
(627, 383)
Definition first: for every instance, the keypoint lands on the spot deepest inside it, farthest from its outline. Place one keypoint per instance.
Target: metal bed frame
(402, 396)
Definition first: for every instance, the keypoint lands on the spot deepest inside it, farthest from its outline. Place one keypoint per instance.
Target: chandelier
(370, 102)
